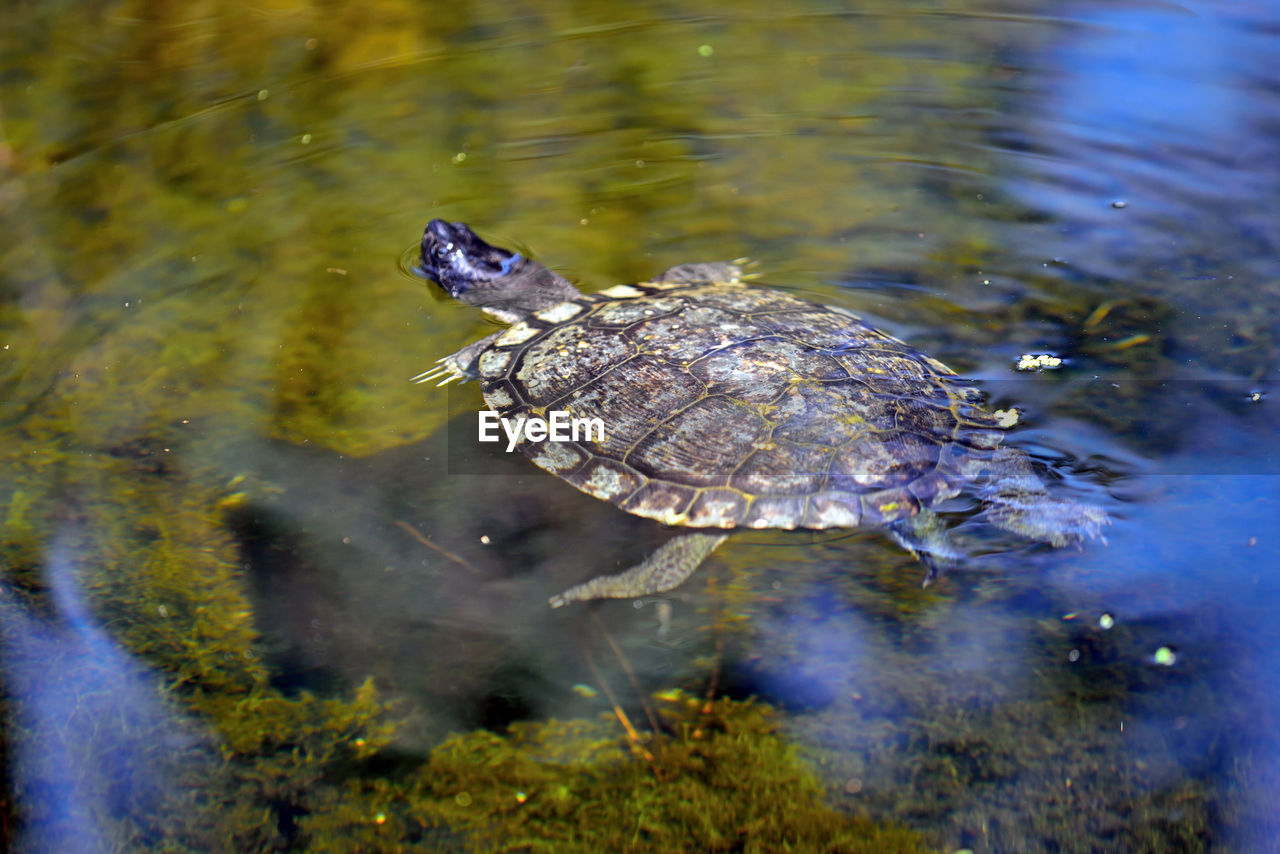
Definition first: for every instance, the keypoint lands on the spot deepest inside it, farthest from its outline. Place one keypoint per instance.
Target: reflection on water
(98, 749)
(204, 339)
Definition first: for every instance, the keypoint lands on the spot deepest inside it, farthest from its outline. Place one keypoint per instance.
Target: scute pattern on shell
(728, 405)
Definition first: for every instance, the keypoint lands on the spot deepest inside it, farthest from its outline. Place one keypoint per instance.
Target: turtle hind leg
(1039, 516)
(666, 568)
(925, 536)
(1018, 501)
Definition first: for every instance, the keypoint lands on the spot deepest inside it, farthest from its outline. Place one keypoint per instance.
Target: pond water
(261, 592)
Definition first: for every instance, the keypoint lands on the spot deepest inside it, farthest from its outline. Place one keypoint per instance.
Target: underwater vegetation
(262, 766)
(721, 779)
(226, 759)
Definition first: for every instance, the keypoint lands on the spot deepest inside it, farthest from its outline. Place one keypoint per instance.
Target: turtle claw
(460, 366)
(426, 376)
(445, 371)
(431, 373)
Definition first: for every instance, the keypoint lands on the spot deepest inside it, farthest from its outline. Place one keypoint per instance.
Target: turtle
(728, 405)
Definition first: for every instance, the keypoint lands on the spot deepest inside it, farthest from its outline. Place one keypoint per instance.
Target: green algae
(723, 779)
(287, 757)
(252, 757)
(20, 541)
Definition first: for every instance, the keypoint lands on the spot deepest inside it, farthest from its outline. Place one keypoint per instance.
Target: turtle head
(504, 283)
(459, 260)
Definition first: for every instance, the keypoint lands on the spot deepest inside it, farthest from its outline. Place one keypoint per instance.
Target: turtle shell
(727, 405)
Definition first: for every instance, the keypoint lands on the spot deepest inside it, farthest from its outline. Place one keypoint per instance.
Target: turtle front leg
(666, 568)
(458, 366)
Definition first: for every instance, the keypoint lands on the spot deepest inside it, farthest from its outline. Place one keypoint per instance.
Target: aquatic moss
(721, 780)
(230, 760)
(290, 757)
(19, 542)
(320, 775)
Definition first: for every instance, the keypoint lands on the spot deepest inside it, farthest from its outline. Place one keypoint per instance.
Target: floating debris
(1038, 362)
(1131, 341)
(1099, 314)
(1006, 418)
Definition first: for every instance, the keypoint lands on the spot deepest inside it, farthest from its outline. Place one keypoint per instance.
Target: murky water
(254, 577)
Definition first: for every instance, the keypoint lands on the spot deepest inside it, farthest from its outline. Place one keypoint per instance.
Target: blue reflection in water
(1157, 73)
(1162, 108)
(821, 654)
(91, 720)
(1201, 560)
(1172, 109)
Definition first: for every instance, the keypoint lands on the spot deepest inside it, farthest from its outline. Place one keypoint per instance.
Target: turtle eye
(442, 252)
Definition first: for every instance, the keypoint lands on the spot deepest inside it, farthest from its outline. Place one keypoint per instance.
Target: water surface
(253, 577)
